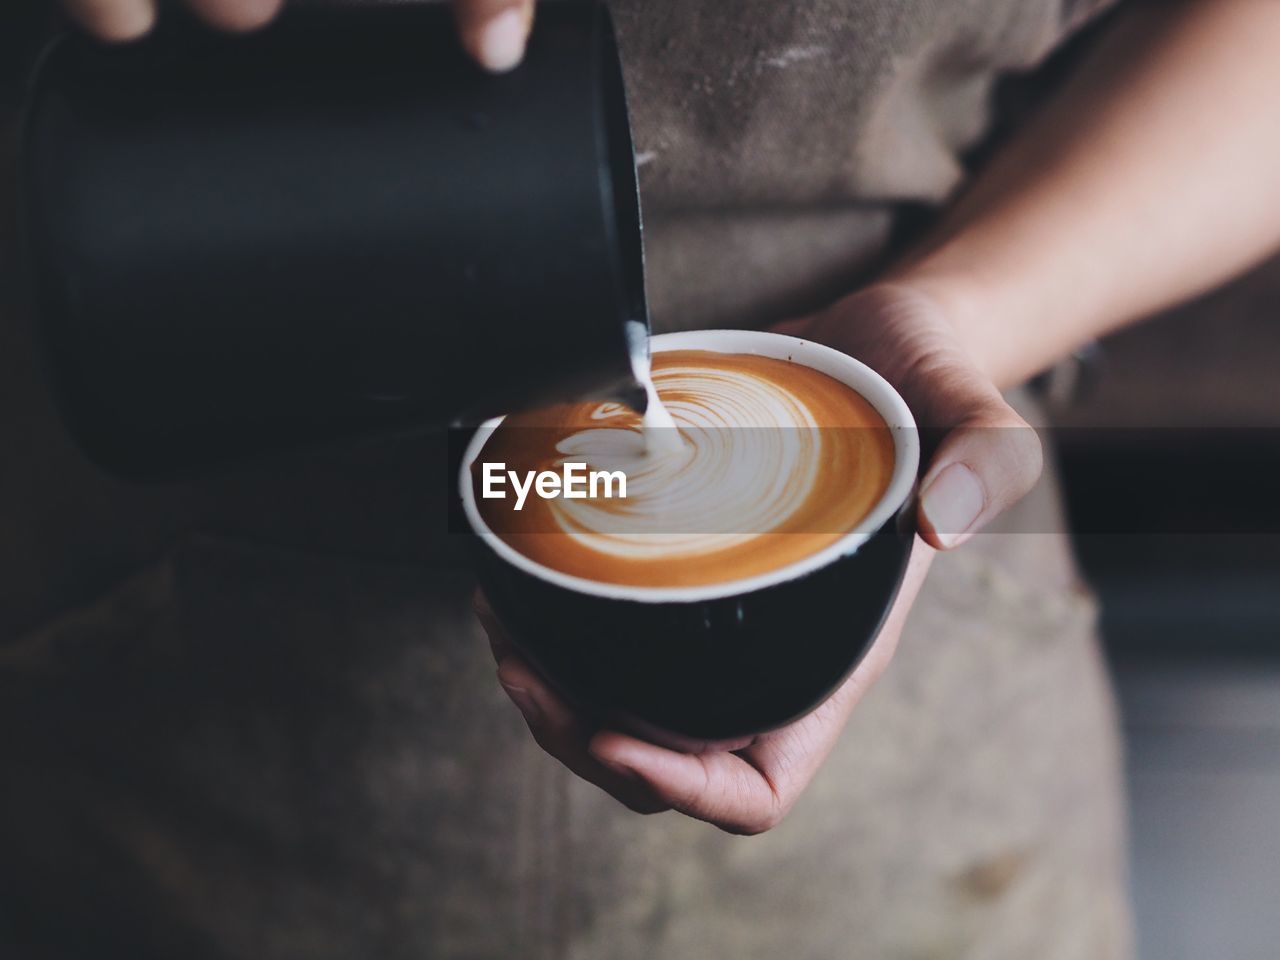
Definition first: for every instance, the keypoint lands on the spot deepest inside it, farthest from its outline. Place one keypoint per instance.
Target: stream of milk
(661, 435)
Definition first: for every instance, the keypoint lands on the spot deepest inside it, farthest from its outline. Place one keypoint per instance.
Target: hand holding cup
(982, 458)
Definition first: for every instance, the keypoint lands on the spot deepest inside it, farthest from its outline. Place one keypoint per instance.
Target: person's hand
(984, 458)
(492, 31)
(745, 787)
(123, 20)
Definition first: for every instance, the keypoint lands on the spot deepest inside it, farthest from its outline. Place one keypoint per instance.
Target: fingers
(499, 643)
(743, 791)
(983, 466)
(721, 788)
(559, 731)
(236, 15)
(750, 790)
(122, 20)
(989, 457)
(114, 20)
(494, 32)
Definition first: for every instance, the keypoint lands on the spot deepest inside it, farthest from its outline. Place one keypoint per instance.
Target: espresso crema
(768, 462)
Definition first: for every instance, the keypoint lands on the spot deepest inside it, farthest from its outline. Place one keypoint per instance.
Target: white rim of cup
(853, 373)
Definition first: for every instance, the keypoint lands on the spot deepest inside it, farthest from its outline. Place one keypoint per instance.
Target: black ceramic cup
(730, 659)
(334, 228)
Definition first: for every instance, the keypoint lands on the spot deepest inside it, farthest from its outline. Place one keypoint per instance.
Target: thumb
(237, 15)
(719, 787)
(989, 457)
(118, 21)
(494, 32)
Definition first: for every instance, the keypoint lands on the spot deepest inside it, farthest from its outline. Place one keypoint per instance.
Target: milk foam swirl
(768, 462)
(706, 490)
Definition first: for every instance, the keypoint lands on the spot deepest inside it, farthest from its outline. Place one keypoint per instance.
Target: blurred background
(1184, 410)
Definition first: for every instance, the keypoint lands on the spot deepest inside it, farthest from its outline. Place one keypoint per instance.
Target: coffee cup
(719, 660)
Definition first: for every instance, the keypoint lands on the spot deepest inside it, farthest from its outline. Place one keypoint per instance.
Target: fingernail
(952, 503)
(142, 17)
(130, 20)
(502, 42)
(524, 702)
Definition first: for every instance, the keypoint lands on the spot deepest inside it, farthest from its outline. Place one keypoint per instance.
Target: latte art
(767, 462)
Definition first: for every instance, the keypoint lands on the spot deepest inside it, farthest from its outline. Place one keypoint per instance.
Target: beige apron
(254, 717)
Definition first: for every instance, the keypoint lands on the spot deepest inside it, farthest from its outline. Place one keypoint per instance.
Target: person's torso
(301, 751)
(775, 140)
(775, 143)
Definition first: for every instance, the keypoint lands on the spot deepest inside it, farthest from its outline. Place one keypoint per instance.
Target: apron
(253, 716)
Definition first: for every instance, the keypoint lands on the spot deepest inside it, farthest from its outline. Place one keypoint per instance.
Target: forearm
(1154, 176)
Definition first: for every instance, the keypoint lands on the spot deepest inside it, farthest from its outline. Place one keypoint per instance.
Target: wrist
(1012, 321)
(963, 301)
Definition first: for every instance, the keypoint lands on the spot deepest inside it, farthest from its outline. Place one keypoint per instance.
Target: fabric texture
(253, 717)
(259, 753)
(776, 140)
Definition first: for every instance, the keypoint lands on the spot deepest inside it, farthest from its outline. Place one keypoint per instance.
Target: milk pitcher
(335, 228)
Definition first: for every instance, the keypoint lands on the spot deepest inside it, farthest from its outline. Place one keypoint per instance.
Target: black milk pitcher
(335, 228)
